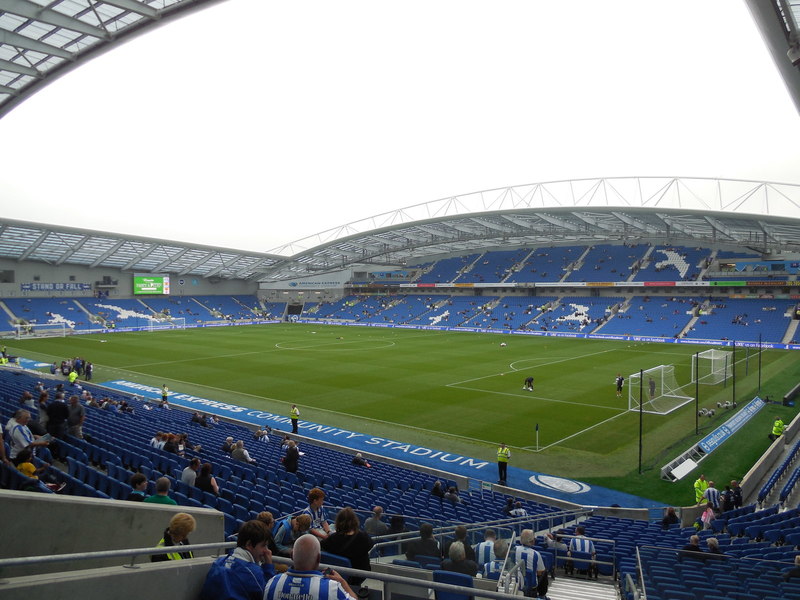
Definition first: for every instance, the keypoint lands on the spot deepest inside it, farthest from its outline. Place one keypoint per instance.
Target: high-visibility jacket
(700, 486)
(295, 412)
(777, 427)
(503, 454)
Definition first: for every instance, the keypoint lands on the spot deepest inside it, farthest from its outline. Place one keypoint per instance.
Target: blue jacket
(235, 578)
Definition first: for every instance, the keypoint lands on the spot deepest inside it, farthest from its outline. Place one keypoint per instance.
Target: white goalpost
(712, 366)
(40, 330)
(165, 324)
(659, 391)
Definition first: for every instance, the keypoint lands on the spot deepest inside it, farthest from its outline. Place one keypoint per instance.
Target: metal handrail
(386, 578)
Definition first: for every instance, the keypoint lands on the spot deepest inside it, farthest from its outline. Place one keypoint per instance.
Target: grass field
(460, 392)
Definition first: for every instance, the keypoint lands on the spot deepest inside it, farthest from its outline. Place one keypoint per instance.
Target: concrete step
(574, 588)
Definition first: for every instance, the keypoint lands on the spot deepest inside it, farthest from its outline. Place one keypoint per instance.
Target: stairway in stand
(573, 588)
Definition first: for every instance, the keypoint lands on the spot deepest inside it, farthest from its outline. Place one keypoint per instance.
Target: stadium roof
(764, 217)
(42, 40)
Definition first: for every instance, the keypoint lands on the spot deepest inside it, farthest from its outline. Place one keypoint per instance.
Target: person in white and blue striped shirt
(711, 495)
(493, 568)
(304, 581)
(484, 551)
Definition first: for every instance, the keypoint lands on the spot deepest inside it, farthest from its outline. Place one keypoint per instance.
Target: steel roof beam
(99, 260)
(25, 43)
(36, 12)
(71, 250)
(558, 222)
(170, 260)
(7, 65)
(141, 256)
(36, 243)
(135, 7)
(197, 263)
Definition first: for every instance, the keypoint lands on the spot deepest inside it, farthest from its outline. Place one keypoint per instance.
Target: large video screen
(150, 284)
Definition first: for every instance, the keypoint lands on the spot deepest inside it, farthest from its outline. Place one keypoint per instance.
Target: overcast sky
(255, 123)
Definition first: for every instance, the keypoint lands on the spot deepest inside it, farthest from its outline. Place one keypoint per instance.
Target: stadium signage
(713, 440)
(54, 287)
(377, 445)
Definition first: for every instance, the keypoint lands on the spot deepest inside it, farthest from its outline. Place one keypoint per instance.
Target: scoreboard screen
(150, 284)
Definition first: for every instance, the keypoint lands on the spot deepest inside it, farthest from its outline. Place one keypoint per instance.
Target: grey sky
(255, 123)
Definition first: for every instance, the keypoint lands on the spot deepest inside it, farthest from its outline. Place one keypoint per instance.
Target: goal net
(712, 366)
(165, 324)
(656, 390)
(40, 330)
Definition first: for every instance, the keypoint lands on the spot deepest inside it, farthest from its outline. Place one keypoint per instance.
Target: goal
(656, 390)
(165, 324)
(712, 366)
(40, 330)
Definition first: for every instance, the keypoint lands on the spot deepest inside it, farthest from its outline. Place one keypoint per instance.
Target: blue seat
(453, 579)
(328, 558)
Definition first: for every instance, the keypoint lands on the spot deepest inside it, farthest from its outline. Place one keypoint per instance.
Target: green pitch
(460, 392)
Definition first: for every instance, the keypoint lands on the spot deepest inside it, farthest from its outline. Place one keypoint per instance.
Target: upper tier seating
(673, 263)
(607, 262)
(546, 264)
(447, 269)
(494, 266)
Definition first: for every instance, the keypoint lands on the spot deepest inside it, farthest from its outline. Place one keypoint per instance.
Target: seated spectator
(138, 482)
(245, 572)
(484, 551)
(493, 568)
(397, 525)
(189, 473)
(176, 534)
(162, 493)
(26, 467)
(458, 562)
(289, 530)
(171, 443)
(227, 445)
(360, 461)
(206, 481)
(241, 454)
(556, 541)
(437, 490)
(349, 541)
(714, 551)
(794, 571)
(692, 549)
(518, 511)
(670, 518)
(304, 581)
(157, 441)
(509, 506)
(425, 545)
(452, 496)
(316, 510)
(262, 434)
(374, 526)
(269, 521)
(460, 534)
(20, 437)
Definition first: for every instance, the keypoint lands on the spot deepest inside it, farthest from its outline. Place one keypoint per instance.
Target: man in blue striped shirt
(711, 495)
(484, 551)
(580, 543)
(304, 581)
(535, 572)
